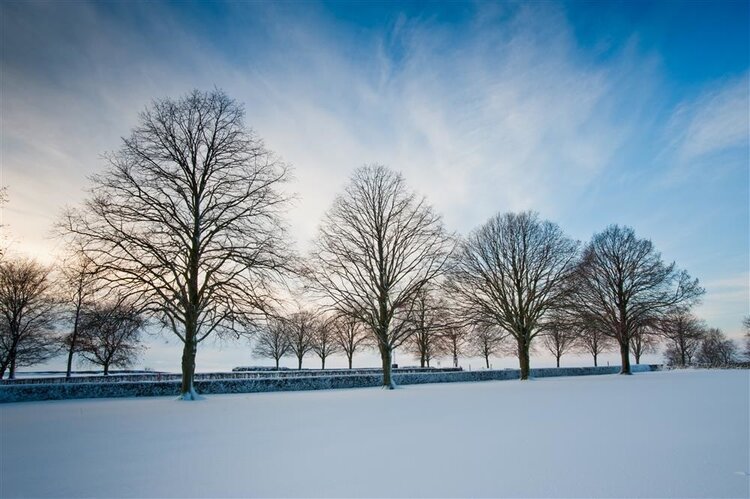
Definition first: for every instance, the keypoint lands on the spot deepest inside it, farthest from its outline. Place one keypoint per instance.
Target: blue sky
(589, 112)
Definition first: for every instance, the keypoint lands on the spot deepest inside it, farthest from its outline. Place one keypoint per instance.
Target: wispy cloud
(717, 120)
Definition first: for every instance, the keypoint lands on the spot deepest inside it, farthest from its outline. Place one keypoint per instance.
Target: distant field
(661, 434)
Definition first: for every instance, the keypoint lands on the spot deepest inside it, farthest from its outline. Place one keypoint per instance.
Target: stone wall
(235, 374)
(20, 392)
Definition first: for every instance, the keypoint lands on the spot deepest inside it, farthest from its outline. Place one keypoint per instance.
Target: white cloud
(717, 120)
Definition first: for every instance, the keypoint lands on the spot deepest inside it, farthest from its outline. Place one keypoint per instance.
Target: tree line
(185, 230)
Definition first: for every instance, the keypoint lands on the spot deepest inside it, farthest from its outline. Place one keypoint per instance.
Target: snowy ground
(676, 434)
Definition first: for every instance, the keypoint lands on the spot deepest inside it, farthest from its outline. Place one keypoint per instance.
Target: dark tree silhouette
(511, 273)
(683, 333)
(272, 340)
(622, 283)
(716, 350)
(28, 312)
(455, 339)
(558, 338)
(592, 340)
(300, 330)
(427, 322)
(188, 219)
(485, 341)
(324, 342)
(110, 334)
(377, 247)
(349, 334)
(78, 285)
(643, 340)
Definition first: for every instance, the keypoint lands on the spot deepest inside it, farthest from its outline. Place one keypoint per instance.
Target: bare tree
(622, 283)
(592, 340)
(300, 329)
(486, 341)
(716, 350)
(349, 335)
(110, 334)
(324, 342)
(683, 333)
(427, 322)
(643, 340)
(78, 284)
(272, 340)
(558, 338)
(746, 327)
(455, 340)
(188, 219)
(511, 273)
(28, 313)
(377, 247)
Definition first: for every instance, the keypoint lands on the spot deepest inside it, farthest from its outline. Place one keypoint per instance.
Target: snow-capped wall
(21, 392)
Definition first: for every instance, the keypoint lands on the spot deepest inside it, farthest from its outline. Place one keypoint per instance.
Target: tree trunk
(637, 355)
(277, 363)
(625, 357)
(350, 360)
(106, 369)
(487, 360)
(12, 371)
(523, 357)
(323, 363)
(421, 360)
(595, 364)
(187, 390)
(73, 338)
(455, 360)
(558, 360)
(385, 355)
(70, 358)
(299, 362)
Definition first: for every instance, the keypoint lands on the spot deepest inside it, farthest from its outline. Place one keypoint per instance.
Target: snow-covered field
(676, 434)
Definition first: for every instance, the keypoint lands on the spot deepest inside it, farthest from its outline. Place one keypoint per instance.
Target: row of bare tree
(37, 302)
(304, 332)
(186, 225)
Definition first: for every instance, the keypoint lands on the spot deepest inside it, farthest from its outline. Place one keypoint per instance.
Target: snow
(661, 434)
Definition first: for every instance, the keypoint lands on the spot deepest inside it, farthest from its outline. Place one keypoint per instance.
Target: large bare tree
(377, 247)
(188, 219)
(511, 272)
(272, 340)
(28, 313)
(622, 284)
